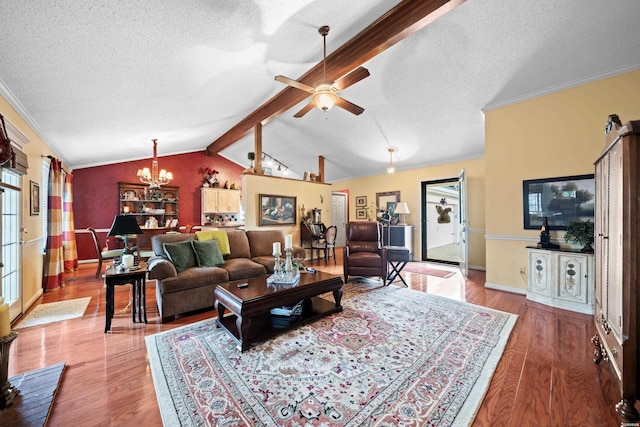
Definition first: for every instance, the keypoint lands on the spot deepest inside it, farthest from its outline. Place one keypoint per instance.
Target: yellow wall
(409, 182)
(34, 235)
(308, 194)
(554, 135)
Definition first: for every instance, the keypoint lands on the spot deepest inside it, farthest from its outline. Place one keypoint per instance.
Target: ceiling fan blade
(349, 106)
(305, 110)
(353, 77)
(294, 83)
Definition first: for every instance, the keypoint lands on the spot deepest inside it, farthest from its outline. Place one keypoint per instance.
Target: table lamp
(125, 225)
(402, 209)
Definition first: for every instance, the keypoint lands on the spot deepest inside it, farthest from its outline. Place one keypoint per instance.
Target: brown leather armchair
(363, 254)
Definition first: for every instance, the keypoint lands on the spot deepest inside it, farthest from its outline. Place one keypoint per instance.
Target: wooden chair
(103, 253)
(328, 242)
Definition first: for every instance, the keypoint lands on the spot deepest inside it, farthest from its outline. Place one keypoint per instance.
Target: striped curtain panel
(53, 274)
(68, 226)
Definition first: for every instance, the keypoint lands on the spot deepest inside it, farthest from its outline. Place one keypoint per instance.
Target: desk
(137, 279)
(397, 257)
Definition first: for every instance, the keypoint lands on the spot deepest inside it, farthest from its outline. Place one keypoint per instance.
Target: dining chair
(102, 253)
(327, 243)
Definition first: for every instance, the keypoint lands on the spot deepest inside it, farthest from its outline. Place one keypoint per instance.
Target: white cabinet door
(540, 272)
(573, 276)
(209, 200)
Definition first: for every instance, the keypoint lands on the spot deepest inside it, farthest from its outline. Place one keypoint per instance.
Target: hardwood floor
(545, 378)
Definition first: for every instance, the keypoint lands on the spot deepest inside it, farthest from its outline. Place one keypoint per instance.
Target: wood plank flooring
(546, 376)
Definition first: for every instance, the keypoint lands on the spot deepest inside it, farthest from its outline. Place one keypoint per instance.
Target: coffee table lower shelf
(260, 325)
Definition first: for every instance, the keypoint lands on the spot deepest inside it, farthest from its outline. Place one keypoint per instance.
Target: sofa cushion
(243, 268)
(261, 241)
(181, 255)
(207, 253)
(219, 235)
(194, 278)
(239, 244)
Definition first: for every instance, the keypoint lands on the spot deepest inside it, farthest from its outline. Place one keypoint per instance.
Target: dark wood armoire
(617, 260)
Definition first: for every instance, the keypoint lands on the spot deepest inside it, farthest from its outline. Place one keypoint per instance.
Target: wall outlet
(521, 270)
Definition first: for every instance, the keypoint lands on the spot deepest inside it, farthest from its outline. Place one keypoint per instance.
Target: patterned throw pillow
(207, 253)
(219, 235)
(181, 254)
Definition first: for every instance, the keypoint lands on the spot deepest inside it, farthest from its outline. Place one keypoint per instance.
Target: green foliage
(251, 156)
(581, 232)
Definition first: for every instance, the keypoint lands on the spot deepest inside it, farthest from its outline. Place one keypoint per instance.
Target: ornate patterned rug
(394, 356)
(55, 312)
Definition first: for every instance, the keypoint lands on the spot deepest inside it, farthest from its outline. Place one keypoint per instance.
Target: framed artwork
(361, 201)
(34, 198)
(276, 210)
(561, 200)
(361, 214)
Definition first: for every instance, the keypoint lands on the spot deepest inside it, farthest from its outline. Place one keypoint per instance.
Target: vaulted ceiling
(98, 80)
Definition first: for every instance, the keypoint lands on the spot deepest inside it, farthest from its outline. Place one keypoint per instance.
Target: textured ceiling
(98, 80)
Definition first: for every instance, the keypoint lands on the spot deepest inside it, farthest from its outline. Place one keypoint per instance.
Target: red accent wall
(96, 199)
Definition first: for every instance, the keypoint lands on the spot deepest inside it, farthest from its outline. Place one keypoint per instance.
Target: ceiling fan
(324, 94)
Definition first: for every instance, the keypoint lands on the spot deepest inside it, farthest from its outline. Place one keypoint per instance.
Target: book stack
(283, 317)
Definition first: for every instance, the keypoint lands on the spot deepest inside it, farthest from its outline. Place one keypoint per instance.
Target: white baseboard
(505, 288)
(477, 267)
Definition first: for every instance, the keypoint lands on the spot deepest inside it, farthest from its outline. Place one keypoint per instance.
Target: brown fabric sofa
(192, 289)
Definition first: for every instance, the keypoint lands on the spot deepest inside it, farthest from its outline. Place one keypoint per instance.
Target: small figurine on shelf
(545, 237)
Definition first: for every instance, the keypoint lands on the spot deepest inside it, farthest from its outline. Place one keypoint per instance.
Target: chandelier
(152, 177)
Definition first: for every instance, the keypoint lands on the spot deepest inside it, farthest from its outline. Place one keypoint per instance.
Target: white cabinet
(562, 279)
(220, 201)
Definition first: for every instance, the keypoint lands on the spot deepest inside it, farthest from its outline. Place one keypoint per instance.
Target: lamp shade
(402, 208)
(123, 225)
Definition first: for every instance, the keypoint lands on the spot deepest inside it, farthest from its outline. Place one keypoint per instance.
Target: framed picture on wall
(277, 210)
(361, 201)
(34, 192)
(361, 214)
(561, 200)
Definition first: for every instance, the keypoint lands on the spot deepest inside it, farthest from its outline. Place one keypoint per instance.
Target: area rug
(394, 356)
(423, 268)
(55, 312)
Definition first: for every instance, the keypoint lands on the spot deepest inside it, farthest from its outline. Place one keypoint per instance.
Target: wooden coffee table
(250, 318)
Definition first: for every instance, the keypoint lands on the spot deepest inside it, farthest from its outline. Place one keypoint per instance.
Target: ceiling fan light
(324, 99)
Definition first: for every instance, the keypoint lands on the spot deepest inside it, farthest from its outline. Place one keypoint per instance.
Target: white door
(464, 246)
(339, 216)
(10, 249)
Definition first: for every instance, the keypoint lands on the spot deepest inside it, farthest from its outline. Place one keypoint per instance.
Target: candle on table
(288, 241)
(276, 249)
(5, 325)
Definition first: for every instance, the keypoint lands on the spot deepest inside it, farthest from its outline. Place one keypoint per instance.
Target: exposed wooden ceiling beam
(394, 26)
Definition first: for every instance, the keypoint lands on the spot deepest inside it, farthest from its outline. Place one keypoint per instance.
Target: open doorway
(443, 216)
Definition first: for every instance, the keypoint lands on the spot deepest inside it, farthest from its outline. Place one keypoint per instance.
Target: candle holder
(7, 391)
(285, 273)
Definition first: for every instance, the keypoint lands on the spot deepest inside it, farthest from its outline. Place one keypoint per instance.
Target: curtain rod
(50, 157)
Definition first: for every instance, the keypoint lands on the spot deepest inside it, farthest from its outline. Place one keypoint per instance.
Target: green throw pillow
(219, 235)
(181, 254)
(207, 253)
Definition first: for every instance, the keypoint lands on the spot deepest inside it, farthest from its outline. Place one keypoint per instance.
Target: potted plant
(251, 156)
(581, 232)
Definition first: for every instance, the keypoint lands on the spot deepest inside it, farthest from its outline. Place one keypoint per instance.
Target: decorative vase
(205, 185)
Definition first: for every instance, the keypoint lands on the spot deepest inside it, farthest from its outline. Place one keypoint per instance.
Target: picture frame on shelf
(276, 210)
(34, 193)
(361, 214)
(361, 201)
(561, 200)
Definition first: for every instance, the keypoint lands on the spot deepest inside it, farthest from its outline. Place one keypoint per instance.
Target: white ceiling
(99, 79)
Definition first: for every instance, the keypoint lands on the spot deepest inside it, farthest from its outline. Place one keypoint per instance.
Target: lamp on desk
(125, 225)
(402, 209)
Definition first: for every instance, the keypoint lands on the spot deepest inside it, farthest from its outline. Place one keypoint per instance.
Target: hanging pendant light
(391, 169)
